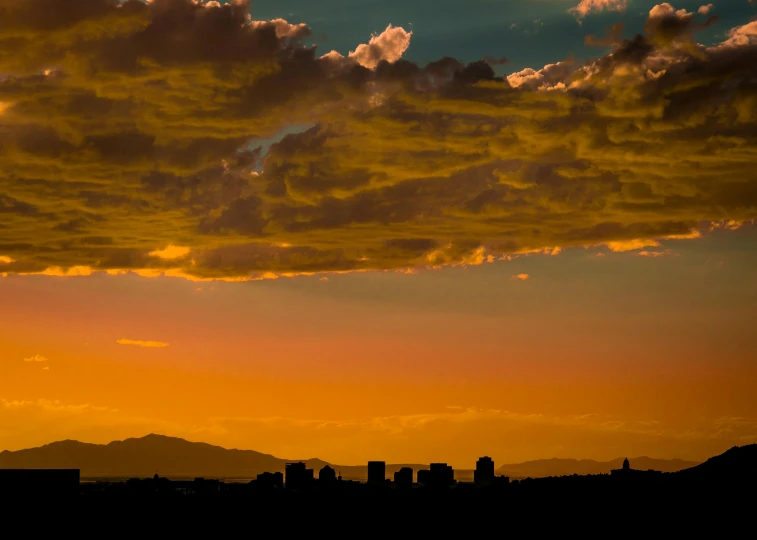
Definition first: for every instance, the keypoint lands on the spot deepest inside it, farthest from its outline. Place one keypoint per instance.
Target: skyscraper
(327, 475)
(298, 476)
(484, 473)
(377, 473)
(437, 475)
(404, 477)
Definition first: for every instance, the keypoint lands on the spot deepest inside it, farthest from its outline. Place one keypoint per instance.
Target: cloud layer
(129, 142)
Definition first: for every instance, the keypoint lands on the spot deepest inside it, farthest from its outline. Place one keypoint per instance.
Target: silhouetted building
(377, 473)
(628, 472)
(39, 482)
(298, 476)
(404, 477)
(484, 473)
(268, 480)
(437, 475)
(327, 475)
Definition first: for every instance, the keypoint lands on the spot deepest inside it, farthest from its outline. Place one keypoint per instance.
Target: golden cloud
(132, 143)
(631, 245)
(36, 358)
(588, 6)
(139, 343)
(170, 252)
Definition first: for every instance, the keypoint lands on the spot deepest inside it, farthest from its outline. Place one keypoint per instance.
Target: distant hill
(542, 468)
(739, 461)
(167, 456)
(144, 456)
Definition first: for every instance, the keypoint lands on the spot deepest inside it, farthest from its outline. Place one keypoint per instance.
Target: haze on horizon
(380, 230)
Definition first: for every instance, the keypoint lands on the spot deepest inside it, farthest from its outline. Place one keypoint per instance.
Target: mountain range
(175, 457)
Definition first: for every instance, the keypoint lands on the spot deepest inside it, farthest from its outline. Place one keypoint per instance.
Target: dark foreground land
(597, 504)
(717, 498)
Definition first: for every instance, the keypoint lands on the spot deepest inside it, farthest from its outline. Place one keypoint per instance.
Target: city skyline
(415, 230)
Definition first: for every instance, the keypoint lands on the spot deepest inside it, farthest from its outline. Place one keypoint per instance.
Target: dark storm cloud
(126, 129)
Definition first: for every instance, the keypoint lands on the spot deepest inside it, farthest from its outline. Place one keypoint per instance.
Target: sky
(409, 231)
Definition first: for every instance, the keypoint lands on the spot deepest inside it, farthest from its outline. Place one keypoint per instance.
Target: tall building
(327, 475)
(377, 473)
(437, 475)
(404, 477)
(297, 476)
(484, 473)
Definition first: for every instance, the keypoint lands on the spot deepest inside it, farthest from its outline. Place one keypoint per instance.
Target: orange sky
(591, 357)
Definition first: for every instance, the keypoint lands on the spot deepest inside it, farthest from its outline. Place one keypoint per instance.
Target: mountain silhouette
(143, 456)
(542, 468)
(739, 461)
(167, 456)
(175, 457)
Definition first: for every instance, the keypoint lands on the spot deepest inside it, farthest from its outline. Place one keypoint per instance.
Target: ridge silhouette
(177, 457)
(299, 500)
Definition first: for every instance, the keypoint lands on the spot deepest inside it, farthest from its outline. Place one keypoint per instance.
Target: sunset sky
(380, 229)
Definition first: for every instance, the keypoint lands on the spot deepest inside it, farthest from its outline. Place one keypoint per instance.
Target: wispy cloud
(36, 358)
(654, 254)
(705, 10)
(631, 245)
(522, 277)
(170, 252)
(140, 343)
(588, 6)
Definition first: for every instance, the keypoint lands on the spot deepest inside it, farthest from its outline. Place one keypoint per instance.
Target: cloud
(654, 254)
(545, 78)
(741, 36)
(139, 343)
(6, 260)
(588, 6)
(694, 233)
(388, 46)
(613, 37)
(705, 9)
(36, 358)
(522, 277)
(667, 26)
(132, 135)
(45, 368)
(170, 252)
(631, 245)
